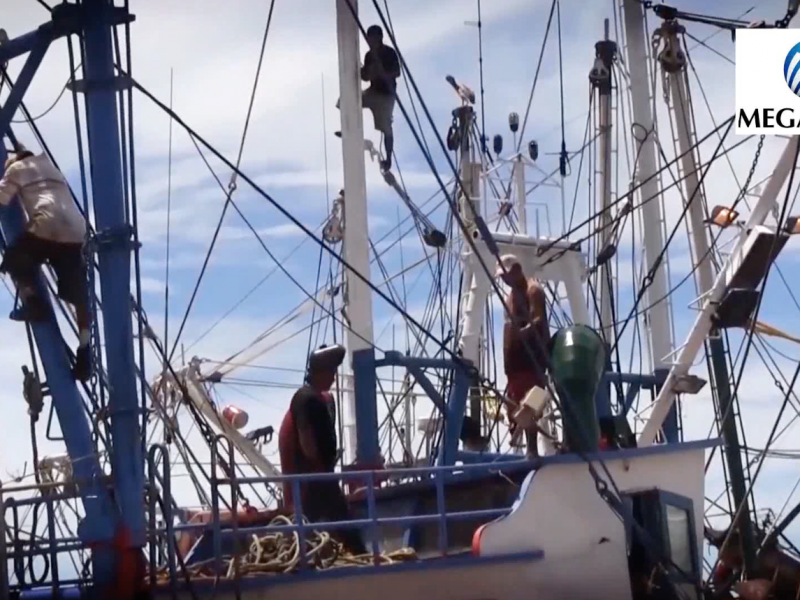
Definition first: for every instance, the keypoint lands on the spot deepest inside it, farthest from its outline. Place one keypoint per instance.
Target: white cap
(506, 263)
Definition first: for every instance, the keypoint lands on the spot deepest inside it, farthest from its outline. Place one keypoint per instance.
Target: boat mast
(658, 312)
(673, 64)
(361, 405)
(600, 78)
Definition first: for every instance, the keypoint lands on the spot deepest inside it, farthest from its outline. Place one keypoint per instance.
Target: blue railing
(18, 549)
(438, 476)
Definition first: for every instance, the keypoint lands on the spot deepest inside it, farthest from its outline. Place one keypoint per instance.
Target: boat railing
(168, 564)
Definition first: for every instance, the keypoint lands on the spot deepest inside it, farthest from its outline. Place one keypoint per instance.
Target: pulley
(434, 238)
(453, 138)
(513, 122)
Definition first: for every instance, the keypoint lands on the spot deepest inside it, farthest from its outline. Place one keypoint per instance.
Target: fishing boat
(160, 487)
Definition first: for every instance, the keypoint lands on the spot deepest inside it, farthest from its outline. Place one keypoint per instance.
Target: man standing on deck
(381, 68)
(307, 444)
(54, 233)
(526, 338)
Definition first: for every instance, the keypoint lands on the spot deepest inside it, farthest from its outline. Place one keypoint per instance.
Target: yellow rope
(280, 553)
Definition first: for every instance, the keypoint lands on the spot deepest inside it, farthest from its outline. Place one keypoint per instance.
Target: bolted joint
(113, 238)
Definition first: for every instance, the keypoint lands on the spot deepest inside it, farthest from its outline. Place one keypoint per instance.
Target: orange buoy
(235, 416)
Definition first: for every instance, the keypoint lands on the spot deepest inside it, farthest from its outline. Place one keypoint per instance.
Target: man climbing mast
(55, 234)
(381, 68)
(525, 338)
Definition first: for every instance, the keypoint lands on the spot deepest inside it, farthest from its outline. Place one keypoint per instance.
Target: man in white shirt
(54, 234)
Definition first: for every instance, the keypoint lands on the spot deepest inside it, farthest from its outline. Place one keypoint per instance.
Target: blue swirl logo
(791, 69)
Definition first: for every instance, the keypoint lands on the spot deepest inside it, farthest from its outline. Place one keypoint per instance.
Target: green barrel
(578, 363)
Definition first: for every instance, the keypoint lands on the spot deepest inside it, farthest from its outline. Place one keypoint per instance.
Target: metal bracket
(119, 83)
(120, 236)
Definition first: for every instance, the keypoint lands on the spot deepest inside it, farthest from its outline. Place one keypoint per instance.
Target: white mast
(356, 242)
(660, 327)
(673, 63)
(600, 77)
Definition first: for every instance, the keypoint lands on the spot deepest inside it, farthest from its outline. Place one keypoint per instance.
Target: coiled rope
(279, 552)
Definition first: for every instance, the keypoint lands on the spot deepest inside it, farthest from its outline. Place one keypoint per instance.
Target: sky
(209, 50)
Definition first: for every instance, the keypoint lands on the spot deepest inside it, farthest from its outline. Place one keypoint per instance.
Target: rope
(536, 76)
(280, 553)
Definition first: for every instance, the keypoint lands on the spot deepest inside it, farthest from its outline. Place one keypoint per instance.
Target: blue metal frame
(67, 401)
(95, 18)
(114, 257)
(456, 405)
(367, 444)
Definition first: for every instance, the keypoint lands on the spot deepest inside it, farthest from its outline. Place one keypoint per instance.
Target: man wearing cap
(54, 233)
(526, 336)
(307, 444)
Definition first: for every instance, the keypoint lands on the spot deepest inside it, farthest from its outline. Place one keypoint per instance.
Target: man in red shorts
(526, 338)
(54, 233)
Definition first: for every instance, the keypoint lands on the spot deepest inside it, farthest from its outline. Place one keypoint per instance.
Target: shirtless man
(526, 338)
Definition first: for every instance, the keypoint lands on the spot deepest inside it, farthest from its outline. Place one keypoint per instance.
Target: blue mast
(113, 246)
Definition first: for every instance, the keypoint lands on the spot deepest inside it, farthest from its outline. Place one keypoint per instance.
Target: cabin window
(678, 522)
(665, 525)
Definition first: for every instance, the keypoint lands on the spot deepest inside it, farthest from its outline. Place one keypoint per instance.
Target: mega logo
(767, 96)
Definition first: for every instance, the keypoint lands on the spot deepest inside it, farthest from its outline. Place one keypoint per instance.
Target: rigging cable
(536, 76)
(602, 485)
(480, 70)
(231, 185)
(169, 219)
(749, 342)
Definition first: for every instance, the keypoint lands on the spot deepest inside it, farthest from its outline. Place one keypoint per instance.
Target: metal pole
(113, 246)
(519, 183)
(658, 313)
(362, 405)
(673, 62)
(600, 76)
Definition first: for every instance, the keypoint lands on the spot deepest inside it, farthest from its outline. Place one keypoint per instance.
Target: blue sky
(212, 49)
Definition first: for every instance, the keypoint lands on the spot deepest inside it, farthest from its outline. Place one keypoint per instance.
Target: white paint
(356, 244)
(560, 512)
(702, 324)
(678, 85)
(660, 329)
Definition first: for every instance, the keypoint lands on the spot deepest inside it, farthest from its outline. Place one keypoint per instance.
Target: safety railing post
(3, 549)
(440, 506)
(234, 517)
(151, 496)
(373, 516)
(51, 539)
(298, 515)
(215, 529)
